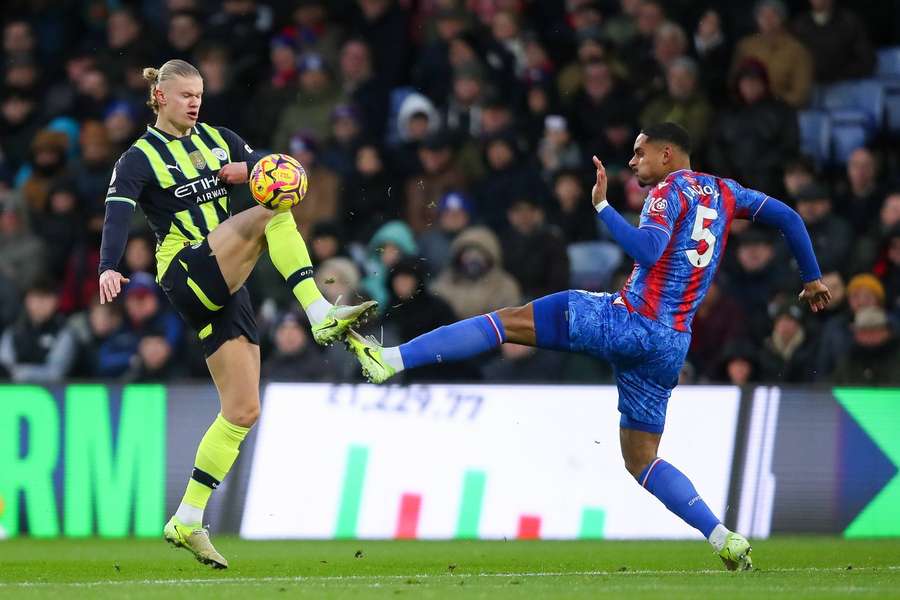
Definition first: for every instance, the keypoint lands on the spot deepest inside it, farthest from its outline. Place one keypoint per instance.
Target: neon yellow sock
(289, 255)
(217, 452)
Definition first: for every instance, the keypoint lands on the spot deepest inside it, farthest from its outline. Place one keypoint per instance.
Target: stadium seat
(591, 264)
(888, 63)
(850, 129)
(862, 94)
(815, 135)
(892, 105)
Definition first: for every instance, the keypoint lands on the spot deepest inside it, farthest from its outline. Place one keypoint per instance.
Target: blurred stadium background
(448, 146)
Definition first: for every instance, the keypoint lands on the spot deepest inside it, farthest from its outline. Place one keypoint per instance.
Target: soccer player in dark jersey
(179, 172)
(644, 330)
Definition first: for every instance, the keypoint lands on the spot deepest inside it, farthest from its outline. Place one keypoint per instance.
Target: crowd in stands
(448, 146)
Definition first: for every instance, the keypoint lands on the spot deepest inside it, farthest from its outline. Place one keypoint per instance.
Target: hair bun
(151, 74)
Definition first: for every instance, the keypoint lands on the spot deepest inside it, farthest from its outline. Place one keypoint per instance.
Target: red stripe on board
(529, 527)
(408, 518)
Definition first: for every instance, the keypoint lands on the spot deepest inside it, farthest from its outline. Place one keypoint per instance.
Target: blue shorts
(646, 356)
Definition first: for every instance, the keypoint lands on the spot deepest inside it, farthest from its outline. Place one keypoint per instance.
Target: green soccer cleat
(196, 541)
(368, 352)
(339, 319)
(736, 553)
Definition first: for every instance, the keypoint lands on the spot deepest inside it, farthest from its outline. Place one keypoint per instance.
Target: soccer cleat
(368, 352)
(196, 541)
(736, 553)
(339, 319)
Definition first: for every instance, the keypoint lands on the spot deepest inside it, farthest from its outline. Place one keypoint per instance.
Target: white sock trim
(189, 515)
(393, 358)
(717, 537)
(318, 310)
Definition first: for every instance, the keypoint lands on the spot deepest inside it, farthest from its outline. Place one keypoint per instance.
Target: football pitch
(793, 568)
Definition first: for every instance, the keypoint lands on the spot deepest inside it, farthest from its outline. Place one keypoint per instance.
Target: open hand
(598, 193)
(234, 173)
(816, 294)
(111, 285)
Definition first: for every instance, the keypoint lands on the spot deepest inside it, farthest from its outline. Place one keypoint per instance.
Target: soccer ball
(278, 182)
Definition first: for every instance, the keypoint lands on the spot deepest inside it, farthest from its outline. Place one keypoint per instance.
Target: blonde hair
(169, 70)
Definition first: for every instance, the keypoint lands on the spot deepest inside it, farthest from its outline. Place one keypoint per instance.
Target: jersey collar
(165, 137)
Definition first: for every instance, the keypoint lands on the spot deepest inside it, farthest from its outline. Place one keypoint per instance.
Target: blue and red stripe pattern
(695, 210)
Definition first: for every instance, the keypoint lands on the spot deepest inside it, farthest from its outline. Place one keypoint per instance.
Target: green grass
(785, 568)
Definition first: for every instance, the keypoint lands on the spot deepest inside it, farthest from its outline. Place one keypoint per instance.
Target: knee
(636, 460)
(517, 324)
(243, 416)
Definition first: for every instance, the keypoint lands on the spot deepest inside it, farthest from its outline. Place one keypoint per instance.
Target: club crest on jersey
(658, 205)
(219, 153)
(197, 159)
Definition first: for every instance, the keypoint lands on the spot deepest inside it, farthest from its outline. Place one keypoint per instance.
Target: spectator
(509, 177)
(831, 235)
(322, 201)
(866, 252)
(125, 38)
(859, 195)
(462, 113)
(139, 255)
(19, 120)
(525, 364)
(48, 159)
(863, 291)
(591, 48)
(243, 26)
(669, 44)
(454, 214)
(273, 95)
(475, 283)
(104, 348)
(433, 72)
(338, 277)
(837, 41)
(326, 241)
(155, 332)
(787, 61)
(620, 28)
(639, 51)
(417, 118)
(719, 322)
(22, 254)
(391, 242)
(218, 98)
(788, 351)
(798, 173)
(534, 252)
(10, 301)
(752, 141)
(887, 267)
(683, 103)
(120, 120)
(573, 214)
(60, 227)
(557, 150)
(39, 347)
(385, 28)
(362, 89)
(92, 172)
(740, 363)
(184, 34)
(314, 109)
(367, 202)
(413, 310)
(339, 150)
(713, 52)
(875, 353)
(295, 357)
(441, 173)
(312, 30)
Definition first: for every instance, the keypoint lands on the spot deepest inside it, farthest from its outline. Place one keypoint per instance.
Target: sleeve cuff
(599, 207)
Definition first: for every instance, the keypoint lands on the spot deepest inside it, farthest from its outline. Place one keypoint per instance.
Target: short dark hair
(669, 132)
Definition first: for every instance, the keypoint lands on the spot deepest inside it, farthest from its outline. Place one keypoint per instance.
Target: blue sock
(454, 342)
(677, 492)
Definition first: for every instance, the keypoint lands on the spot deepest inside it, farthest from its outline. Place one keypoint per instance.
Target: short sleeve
(129, 176)
(747, 202)
(661, 208)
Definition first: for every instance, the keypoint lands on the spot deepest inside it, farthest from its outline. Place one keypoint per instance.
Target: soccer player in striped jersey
(644, 330)
(178, 172)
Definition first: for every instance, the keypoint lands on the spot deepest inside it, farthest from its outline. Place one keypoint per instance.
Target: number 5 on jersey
(701, 256)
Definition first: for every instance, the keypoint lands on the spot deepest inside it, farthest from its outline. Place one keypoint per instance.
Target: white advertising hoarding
(466, 461)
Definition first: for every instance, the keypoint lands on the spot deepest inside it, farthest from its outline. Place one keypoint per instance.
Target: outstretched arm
(778, 214)
(112, 247)
(644, 244)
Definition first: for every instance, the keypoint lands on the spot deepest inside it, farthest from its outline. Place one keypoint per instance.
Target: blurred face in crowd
(355, 62)
(63, 202)
(309, 15)
(417, 127)
(872, 337)
(568, 192)
(813, 211)
(495, 119)
(138, 254)
(283, 58)
(184, 32)
(505, 26)
(179, 101)
(598, 80)
(120, 126)
(795, 179)
(668, 44)
(345, 129)
(104, 319)
(710, 25)
(77, 66)
(48, 160)
(499, 154)
(368, 162)
(466, 90)
(290, 337)
(404, 285)
(93, 84)
(768, 19)
(525, 217)
(239, 7)
(861, 170)
(21, 76)
(454, 219)
(890, 211)
(40, 306)
(155, 352)
(450, 27)
(314, 81)
(141, 305)
(324, 247)
(17, 38)
(681, 81)
(16, 110)
(786, 328)
(649, 18)
(334, 282)
(894, 251)
(751, 89)
(390, 254)
(821, 5)
(121, 29)
(538, 103)
(435, 160)
(461, 52)
(213, 66)
(862, 297)
(373, 9)
(473, 262)
(755, 257)
(739, 371)
(835, 284)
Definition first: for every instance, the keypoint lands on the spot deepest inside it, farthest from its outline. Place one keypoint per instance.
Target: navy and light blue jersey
(694, 210)
(175, 181)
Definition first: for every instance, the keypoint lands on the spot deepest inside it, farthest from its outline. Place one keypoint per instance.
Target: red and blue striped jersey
(695, 211)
